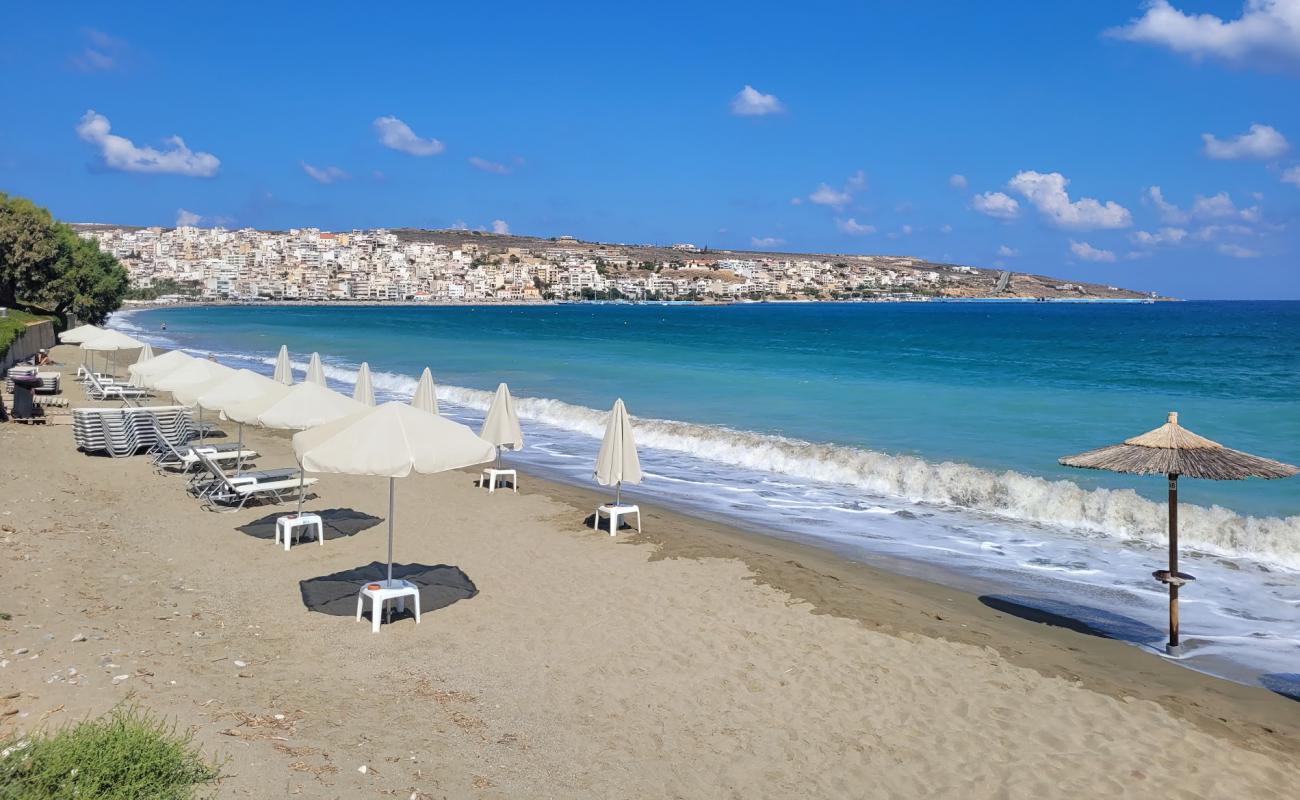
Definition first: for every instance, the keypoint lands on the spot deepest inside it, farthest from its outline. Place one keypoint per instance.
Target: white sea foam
(1119, 514)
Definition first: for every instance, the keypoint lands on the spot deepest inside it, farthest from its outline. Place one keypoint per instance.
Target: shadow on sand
(339, 522)
(440, 586)
(1081, 619)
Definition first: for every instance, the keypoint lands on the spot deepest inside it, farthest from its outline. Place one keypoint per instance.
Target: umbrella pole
(239, 462)
(618, 493)
(392, 488)
(1174, 647)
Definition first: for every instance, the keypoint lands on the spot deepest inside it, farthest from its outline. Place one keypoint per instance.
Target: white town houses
(381, 265)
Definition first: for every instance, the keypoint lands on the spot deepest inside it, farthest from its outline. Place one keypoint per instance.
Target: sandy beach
(694, 660)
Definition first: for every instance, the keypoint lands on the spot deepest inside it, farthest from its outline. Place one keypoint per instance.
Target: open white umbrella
(618, 461)
(188, 381)
(501, 425)
(364, 393)
(306, 405)
(110, 342)
(142, 371)
(80, 334)
(315, 371)
(240, 387)
(390, 441)
(426, 395)
(283, 369)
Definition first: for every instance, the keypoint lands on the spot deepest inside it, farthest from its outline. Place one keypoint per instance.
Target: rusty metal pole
(1174, 648)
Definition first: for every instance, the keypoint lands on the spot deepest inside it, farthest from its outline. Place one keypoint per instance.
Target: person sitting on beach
(42, 358)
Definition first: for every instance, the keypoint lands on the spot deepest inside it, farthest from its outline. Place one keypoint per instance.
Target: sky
(1150, 145)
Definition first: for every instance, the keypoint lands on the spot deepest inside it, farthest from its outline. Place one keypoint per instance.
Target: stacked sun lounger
(127, 431)
(50, 381)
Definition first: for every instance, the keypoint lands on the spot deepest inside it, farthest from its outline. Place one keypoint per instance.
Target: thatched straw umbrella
(1174, 451)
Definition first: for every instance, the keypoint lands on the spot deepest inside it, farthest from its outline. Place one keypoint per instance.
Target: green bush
(14, 324)
(126, 754)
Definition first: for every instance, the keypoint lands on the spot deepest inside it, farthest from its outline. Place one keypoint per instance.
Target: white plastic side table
(493, 476)
(614, 511)
(287, 525)
(394, 590)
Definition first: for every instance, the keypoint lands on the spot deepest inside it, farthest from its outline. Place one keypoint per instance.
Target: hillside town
(307, 264)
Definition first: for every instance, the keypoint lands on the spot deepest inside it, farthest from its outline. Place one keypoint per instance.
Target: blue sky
(816, 127)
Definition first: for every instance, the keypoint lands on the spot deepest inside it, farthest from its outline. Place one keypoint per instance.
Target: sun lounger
(230, 493)
(97, 390)
(174, 456)
(126, 431)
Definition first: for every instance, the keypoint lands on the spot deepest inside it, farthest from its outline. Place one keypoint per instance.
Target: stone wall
(37, 336)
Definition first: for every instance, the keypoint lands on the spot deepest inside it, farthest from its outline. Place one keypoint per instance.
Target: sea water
(923, 437)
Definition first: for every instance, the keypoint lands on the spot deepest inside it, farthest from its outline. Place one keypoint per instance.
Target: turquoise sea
(923, 436)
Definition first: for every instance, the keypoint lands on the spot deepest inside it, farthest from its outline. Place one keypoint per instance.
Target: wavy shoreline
(1120, 514)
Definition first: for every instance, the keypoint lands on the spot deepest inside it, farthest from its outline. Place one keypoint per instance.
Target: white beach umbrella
(80, 334)
(283, 369)
(146, 355)
(364, 393)
(188, 381)
(426, 395)
(142, 372)
(315, 371)
(501, 425)
(390, 441)
(240, 387)
(618, 461)
(306, 405)
(110, 342)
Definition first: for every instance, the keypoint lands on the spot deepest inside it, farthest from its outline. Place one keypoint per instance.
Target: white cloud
(1087, 252)
(397, 135)
(1261, 142)
(187, 218)
(122, 154)
(494, 167)
(765, 241)
(996, 204)
(1292, 176)
(852, 227)
(856, 182)
(827, 196)
(750, 102)
(500, 226)
(906, 230)
(945, 229)
(1220, 206)
(324, 174)
(1209, 232)
(1168, 211)
(101, 53)
(1266, 35)
(1237, 251)
(1162, 236)
(459, 225)
(957, 181)
(1046, 191)
(1008, 252)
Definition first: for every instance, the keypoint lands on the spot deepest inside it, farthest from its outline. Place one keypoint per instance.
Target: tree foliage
(45, 265)
(28, 248)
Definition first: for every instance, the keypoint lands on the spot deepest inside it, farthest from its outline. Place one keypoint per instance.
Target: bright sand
(693, 661)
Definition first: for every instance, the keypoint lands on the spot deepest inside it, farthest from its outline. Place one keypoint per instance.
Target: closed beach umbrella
(618, 461)
(110, 342)
(1173, 451)
(80, 334)
(315, 371)
(501, 425)
(364, 393)
(426, 394)
(390, 441)
(146, 355)
(283, 369)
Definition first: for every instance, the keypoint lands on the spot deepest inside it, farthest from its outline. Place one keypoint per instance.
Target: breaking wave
(1116, 513)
